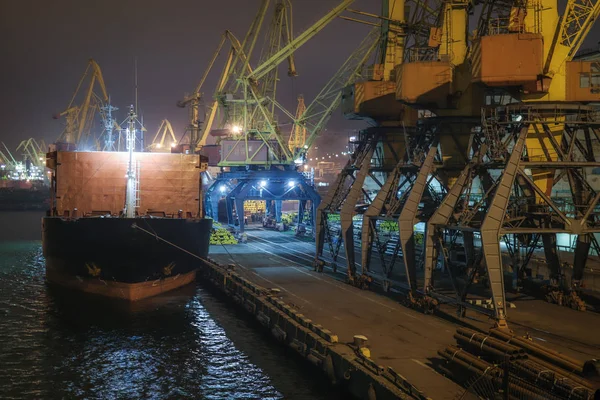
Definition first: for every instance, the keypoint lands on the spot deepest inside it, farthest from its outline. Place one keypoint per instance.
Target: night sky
(46, 45)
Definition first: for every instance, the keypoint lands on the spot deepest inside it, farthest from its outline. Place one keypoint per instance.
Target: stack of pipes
(534, 372)
(485, 345)
(554, 357)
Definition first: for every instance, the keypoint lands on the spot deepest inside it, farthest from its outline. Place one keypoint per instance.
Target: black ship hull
(111, 257)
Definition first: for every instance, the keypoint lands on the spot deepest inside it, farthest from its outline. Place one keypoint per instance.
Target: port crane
(371, 99)
(34, 151)
(8, 161)
(164, 130)
(32, 165)
(253, 137)
(482, 165)
(253, 124)
(238, 53)
(79, 116)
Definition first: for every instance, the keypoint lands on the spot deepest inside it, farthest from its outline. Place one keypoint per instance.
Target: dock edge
(340, 362)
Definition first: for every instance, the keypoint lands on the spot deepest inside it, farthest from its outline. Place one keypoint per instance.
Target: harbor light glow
(236, 129)
(263, 183)
(158, 145)
(222, 188)
(173, 144)
(291, 183)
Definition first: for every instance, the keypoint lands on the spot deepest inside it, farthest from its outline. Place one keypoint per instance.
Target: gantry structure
(505, 125)
(258, 161)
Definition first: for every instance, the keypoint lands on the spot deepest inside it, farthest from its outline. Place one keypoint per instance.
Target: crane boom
(278, 36)
(235, 52)
(85, 118)
(79, 118)
(196, 94)
(165, 129)
(320, 110)
(215, 104)
(252, 93)
(248, 44)
(573, 27)
(193, 100)
(301, 39)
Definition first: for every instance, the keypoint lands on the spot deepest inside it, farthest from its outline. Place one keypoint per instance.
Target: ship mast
(130, 195)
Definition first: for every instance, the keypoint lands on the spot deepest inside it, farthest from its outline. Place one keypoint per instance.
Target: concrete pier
(401, 340)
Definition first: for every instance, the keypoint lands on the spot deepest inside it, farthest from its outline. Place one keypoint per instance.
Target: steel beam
(408, 217)
(438, 220)
(491, 228)
(347, 212)
(374, 210)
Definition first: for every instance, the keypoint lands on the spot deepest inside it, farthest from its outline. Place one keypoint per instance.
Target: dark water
(185, 345)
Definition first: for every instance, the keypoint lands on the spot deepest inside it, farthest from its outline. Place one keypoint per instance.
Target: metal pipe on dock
(492, 373)
(552, 356)
(474, 336)
(553, 381)
(563, 373)
(453, 353)
(483, 349)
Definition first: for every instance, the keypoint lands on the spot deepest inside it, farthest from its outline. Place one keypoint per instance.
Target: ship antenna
(135, 84)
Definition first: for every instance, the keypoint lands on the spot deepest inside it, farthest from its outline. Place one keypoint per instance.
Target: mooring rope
(135, 226)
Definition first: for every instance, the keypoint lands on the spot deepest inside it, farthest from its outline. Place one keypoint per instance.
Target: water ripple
(54, 345)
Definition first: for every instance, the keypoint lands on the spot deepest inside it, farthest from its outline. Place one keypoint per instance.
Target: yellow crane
(236, 62)
(278, 35)
(235, 52)
(164, 130)
(522, 57)
(79, 117)
(34, 150)
(256, 106)
(239, 114)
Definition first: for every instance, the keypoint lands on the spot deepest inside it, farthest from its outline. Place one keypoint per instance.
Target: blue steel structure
(273, 186)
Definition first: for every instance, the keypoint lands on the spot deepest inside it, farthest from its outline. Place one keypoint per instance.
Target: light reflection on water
(186, 345)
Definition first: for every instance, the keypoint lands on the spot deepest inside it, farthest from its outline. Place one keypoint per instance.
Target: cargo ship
(126, 225)
(23, 186)
(22, 195)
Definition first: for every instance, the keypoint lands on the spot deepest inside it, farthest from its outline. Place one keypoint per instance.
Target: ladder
(137, 184)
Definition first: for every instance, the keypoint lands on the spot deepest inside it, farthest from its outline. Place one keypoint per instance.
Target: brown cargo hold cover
(95, 181)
